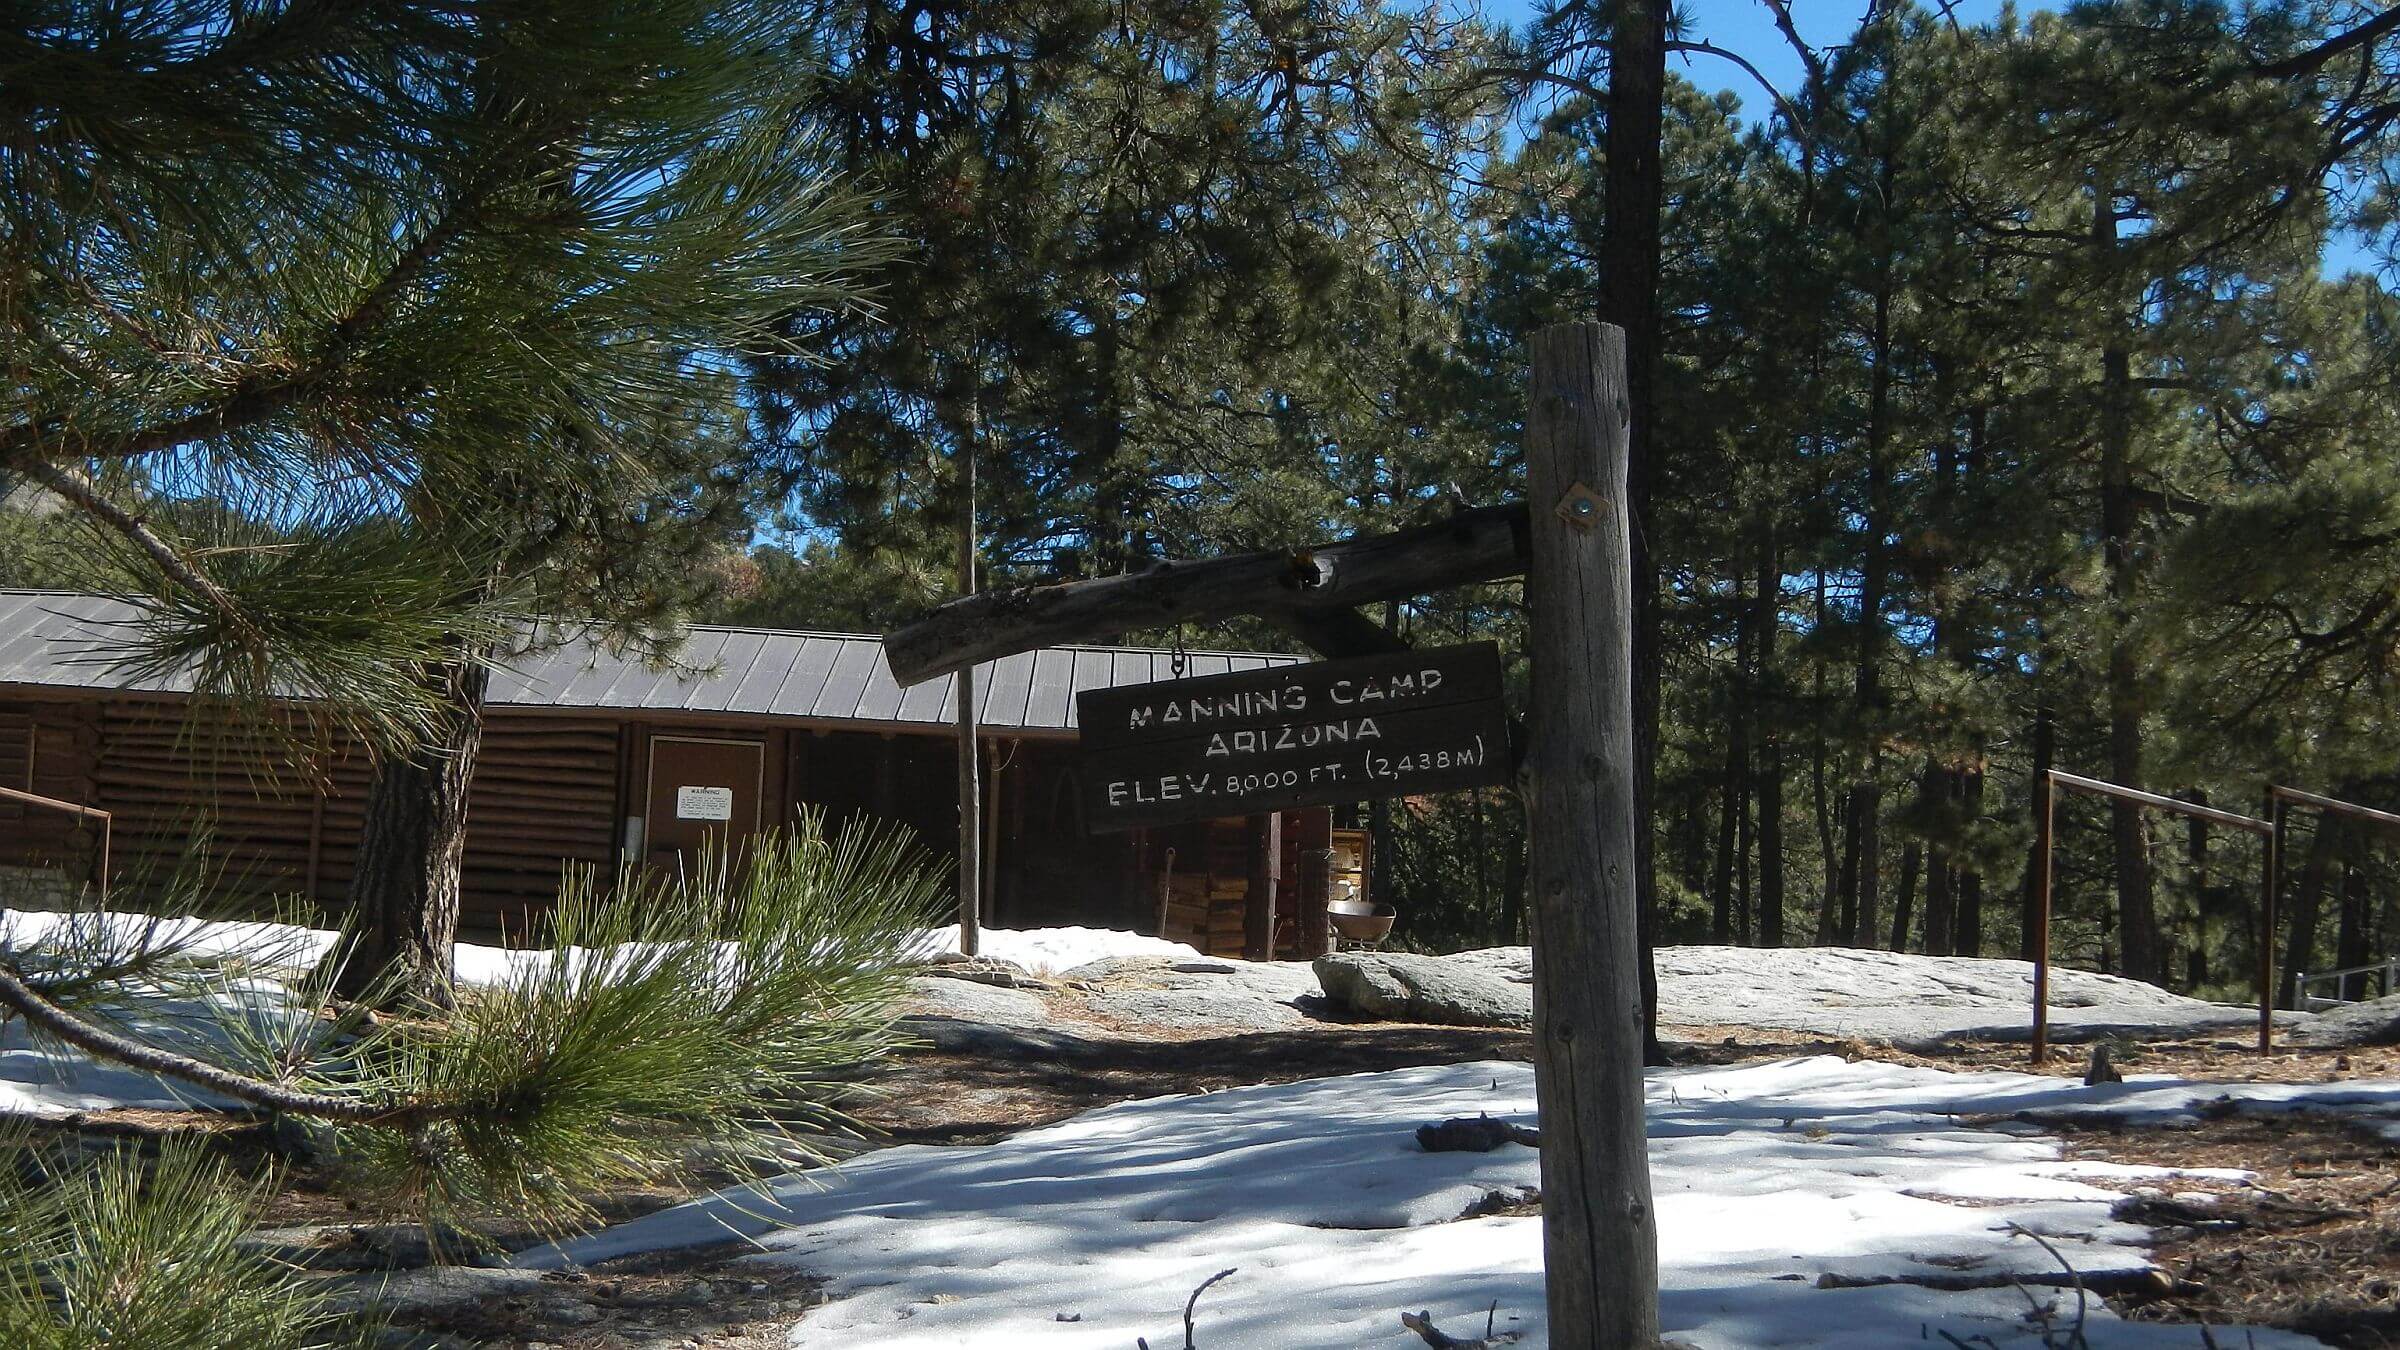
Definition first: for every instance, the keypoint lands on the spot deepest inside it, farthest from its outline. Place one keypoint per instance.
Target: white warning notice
(704, 803)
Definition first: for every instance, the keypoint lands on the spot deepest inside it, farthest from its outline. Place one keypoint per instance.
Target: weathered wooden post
(1600, 1230)
(1258, 908)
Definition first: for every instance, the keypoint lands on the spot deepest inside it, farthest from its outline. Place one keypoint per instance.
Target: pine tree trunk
(1941, 785)
(2129, 834)
(404, 891)
(1632, 192)
(1911, 860)
(1735, 788)
(2308, 903)
(2045, 755)
(1744, 840)
(1512, 903)
(1766, 710)
(1869, 830)
(1770, 844)
(1720, 881)
(1843, 931)
(2350, 937)
(1966, 931)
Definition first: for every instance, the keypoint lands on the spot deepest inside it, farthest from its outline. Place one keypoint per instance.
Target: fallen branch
(1422, 1324)
(1188, 1305)
(1475, 1134)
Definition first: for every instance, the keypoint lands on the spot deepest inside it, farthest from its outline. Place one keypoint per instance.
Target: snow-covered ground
(1092, 1232)
(1051, 951)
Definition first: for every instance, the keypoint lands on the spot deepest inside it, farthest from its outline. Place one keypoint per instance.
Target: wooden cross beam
(1312, 593)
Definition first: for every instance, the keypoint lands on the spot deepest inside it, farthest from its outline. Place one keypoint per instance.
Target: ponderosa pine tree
(1142, 250)
(447, 294)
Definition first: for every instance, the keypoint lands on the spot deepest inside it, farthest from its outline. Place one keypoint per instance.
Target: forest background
(2025, 396)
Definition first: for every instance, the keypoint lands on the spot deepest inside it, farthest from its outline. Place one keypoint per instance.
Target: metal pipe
(2180, 807)
(2334, 805)
(2044, 838)
(107, 825)
(2270, 891)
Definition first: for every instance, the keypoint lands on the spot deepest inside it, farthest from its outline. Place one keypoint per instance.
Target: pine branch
(74, 488)
(2316, 58)
(47, 1017)
(39, 439)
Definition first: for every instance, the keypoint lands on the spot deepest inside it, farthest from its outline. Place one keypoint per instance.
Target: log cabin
(595, 759)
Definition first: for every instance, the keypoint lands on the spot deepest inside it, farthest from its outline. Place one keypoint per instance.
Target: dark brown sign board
(1262, 740)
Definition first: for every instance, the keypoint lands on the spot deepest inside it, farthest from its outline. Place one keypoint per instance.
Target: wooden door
(702, 790)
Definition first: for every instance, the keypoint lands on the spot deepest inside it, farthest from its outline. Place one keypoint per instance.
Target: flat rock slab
(1446, 991)
(1188, 994)
(2374, 1022)
(1907, 1000)
(969, 1001)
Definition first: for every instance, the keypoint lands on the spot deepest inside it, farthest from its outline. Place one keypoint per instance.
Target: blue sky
(1747, 27)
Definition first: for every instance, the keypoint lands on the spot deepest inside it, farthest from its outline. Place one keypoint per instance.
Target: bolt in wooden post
(1599, 1228)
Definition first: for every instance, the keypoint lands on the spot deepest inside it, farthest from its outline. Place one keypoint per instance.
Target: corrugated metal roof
(64, 639)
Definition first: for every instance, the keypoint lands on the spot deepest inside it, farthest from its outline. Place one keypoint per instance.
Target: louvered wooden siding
(545, 795)
(47, 751)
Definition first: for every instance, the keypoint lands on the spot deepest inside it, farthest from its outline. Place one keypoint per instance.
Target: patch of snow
(1051, 951)
(1089, 1233)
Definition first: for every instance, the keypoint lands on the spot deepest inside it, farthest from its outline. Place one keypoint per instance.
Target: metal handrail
(107, 824)
(2389, 966)
(2045, 834)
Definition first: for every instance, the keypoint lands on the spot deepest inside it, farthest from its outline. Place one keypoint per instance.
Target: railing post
(2270, 891)
(2044, 836)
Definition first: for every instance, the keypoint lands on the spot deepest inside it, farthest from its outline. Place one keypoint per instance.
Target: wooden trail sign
(1261, 740)
(1573, 541)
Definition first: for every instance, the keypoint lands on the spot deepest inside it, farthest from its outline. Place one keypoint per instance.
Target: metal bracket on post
(1580, 507)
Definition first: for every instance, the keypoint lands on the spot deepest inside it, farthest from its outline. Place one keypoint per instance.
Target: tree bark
(1966, 930)
(2308, 903)
(1842, 931)
(1911, 862)
(971, 899)
(2129, 832)
(1600, 1233)
(1732, 837)
(2350, 935)
(1632, 193)
(1770, 843)
(1941, 789)
(1869, 828)
(404, 892)
(1767, 709)
(2045, 755)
